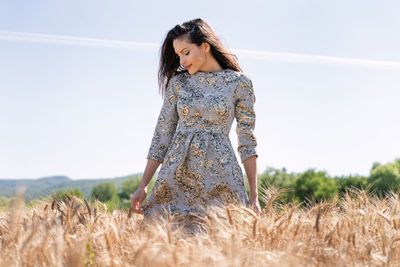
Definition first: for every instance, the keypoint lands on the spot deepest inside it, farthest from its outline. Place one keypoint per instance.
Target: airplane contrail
(71, 40)
(153, 47)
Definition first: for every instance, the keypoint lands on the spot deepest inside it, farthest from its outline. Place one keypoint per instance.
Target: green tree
(315, 186)
(279, 179)
(385, 178)
(129, 187)
(375, 165)
(104, 192)
(4, 203)
(346, 182)
(107, 193)
(62, 194)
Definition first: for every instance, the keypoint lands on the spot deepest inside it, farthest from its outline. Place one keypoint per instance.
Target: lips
(187, 67)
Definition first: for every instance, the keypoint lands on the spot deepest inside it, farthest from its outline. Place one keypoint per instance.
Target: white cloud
(251, 54)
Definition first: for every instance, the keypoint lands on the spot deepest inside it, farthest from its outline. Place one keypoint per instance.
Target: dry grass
(358, 230)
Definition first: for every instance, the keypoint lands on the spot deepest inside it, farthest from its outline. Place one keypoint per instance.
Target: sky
(79, 93)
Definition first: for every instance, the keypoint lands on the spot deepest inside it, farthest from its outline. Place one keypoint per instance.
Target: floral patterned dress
(191, 140)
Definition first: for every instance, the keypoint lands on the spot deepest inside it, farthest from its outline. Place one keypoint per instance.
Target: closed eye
(185, 54)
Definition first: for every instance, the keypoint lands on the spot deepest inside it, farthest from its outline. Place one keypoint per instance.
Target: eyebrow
(183, 49)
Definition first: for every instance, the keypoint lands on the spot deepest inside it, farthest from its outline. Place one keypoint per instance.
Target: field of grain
(358, 230)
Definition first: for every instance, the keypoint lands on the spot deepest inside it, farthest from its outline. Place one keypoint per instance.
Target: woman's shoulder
(243, 76)
(228, 75)
(240, 78)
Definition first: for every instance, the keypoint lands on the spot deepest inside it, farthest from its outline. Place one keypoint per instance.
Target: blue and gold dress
(191, 140)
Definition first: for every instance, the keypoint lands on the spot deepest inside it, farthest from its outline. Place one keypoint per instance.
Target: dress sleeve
(166, 124)
(245, 118)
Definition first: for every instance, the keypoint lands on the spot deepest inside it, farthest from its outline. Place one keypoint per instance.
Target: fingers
(256, 210)
(254, 207)
(138, 211)
(134, 203)
(136, 207)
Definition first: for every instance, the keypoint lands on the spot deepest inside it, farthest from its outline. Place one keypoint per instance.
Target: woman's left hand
(254, 204)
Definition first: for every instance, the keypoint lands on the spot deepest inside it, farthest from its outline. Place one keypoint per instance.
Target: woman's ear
(206, 47)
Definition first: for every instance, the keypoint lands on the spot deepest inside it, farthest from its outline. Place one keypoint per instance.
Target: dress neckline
(211, 72)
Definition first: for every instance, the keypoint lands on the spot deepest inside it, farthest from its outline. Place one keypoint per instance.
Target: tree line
(310, 186)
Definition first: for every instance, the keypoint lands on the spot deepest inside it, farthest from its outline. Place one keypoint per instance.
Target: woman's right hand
(137, 200)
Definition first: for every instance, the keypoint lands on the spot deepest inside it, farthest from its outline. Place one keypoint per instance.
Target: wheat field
(357, 230)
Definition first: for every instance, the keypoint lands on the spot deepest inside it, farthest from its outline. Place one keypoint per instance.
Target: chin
(191, 71)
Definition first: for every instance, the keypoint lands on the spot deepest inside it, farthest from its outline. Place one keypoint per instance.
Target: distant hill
(48, 185)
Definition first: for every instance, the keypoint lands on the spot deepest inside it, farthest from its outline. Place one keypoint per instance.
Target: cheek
(197, 58)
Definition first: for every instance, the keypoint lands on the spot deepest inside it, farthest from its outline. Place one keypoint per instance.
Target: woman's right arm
(151, 167)
(161, 141)
(166, 124)
(140, 195)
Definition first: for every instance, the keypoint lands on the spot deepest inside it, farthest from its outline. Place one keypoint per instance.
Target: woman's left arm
(247, 142)
(250, 166)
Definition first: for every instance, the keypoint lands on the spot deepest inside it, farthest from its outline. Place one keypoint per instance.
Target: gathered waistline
(201, 126)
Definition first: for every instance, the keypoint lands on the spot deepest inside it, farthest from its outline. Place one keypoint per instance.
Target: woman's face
(192, 57)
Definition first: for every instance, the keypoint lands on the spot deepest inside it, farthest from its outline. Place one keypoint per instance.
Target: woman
(204, 90)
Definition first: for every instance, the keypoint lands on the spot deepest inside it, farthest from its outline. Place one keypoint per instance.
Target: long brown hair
(194, 31)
